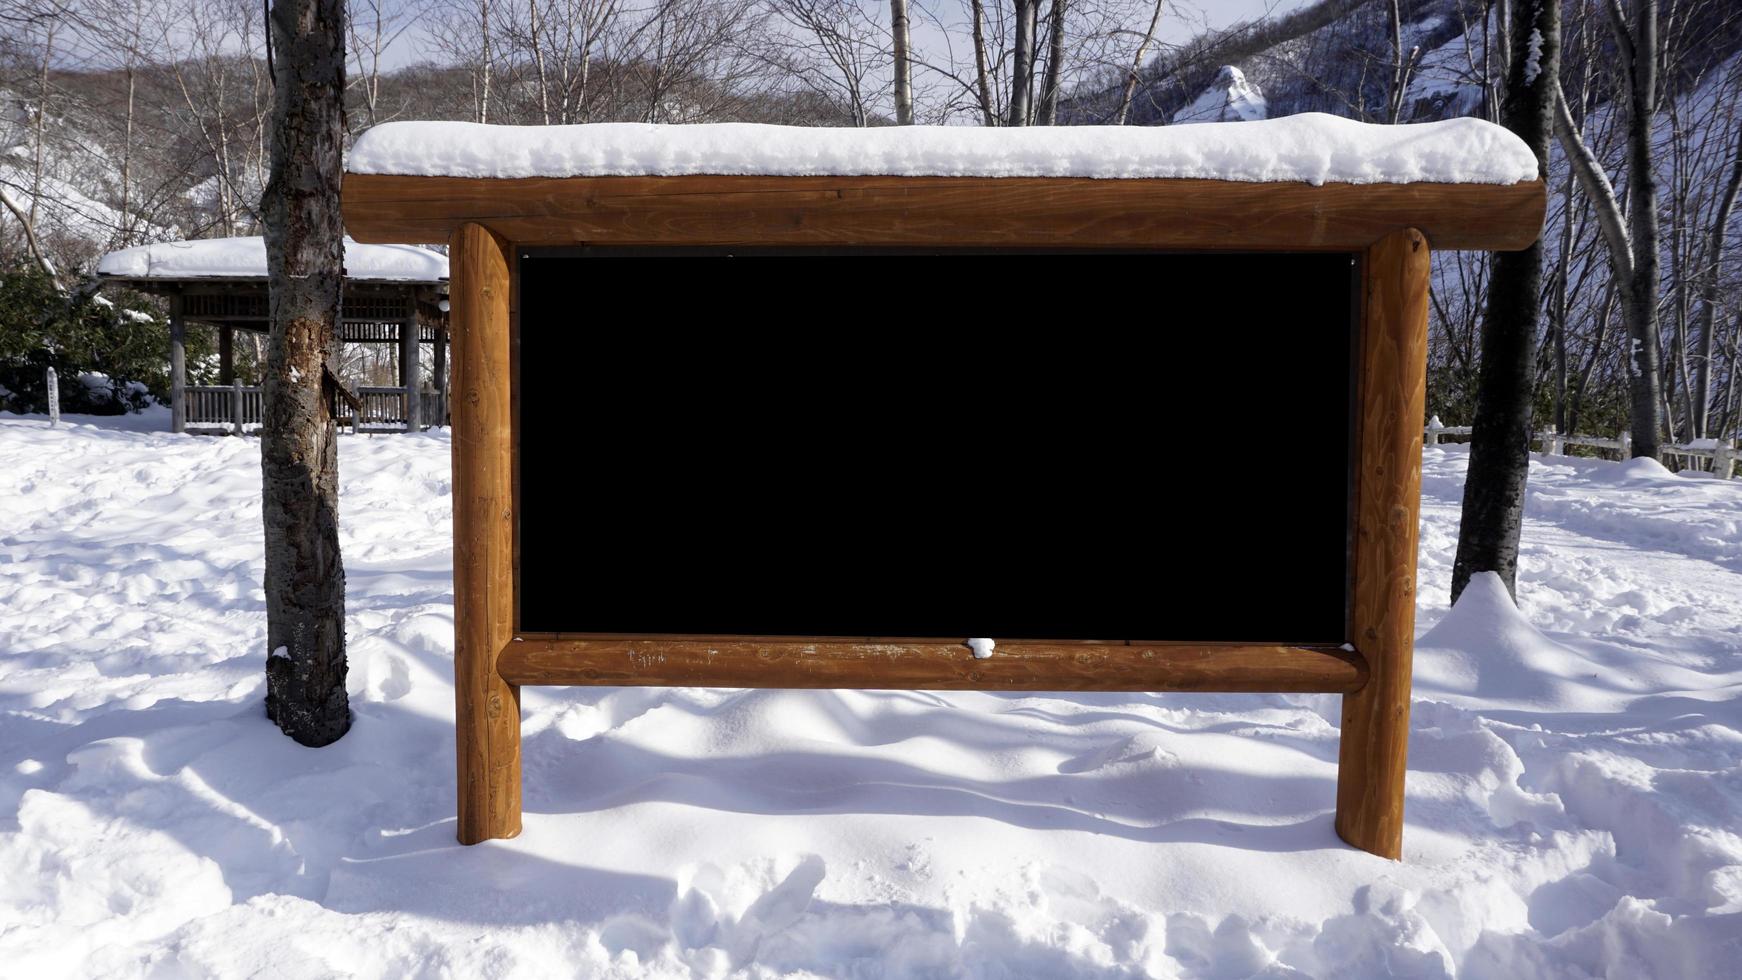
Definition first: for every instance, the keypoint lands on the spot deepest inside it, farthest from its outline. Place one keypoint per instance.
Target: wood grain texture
(1040, 212)
(1375, 734)
(928, 666)
(486, 709)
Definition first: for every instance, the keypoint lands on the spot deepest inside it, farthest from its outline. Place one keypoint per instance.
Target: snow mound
(1312, 147)
(1641, 468)
(1486, 650)
(245, 258)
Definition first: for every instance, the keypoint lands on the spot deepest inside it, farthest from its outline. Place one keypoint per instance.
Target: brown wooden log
(1375, 735)
(486, 709)
(928, 666)
(1038, 212)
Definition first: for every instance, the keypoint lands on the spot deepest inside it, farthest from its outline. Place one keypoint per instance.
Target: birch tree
(1128, 91)
(1022, 69)
(902, 64)
(1630, 232)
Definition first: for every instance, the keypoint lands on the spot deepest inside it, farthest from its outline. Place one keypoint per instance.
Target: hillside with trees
(128, 121)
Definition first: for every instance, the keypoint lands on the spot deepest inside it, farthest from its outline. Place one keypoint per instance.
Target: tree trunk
(1645, 385)
(127, 157)
(537, 45)
(982, 85)
(1022, 72)
(903, 67)
(1558, 304)
(1493, 509)
(486, 59)
(1055, 59)
(1400, 65)
(305, 577)
(1707, 276)
(1132, 77)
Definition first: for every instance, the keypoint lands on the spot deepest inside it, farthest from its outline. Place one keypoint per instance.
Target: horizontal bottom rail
(930, 666)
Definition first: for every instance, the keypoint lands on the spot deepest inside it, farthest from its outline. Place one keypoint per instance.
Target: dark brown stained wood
(1039, 212)
(927, 666)
(1393, 373)
(487, 710)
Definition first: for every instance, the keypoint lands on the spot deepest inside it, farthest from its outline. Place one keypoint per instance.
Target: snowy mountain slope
(1574, 794)
(1335, 56)
(1230, 99)
(73, 196)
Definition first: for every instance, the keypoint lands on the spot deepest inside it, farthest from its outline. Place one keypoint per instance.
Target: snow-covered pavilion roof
(245, 258)
(1312, 147)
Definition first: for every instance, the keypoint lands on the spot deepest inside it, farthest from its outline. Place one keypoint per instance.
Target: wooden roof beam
(942, 212)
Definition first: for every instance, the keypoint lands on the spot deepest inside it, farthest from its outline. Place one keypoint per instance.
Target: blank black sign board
(1078, 446)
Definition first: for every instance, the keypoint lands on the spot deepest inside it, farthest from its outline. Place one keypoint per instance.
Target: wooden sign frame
(1389, 226)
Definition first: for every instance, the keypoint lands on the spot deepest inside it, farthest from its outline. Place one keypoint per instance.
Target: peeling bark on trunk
(305, 577)
(1493, 511)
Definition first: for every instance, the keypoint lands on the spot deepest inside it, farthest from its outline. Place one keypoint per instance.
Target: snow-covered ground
(1575, 787)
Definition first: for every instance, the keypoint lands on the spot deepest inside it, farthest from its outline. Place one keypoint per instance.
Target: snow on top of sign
(1311, 147)
(245, 258)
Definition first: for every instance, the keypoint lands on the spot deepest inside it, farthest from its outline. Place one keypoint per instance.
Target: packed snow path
(1575, 794)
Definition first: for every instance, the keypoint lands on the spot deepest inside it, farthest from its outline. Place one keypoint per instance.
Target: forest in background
(132, 121)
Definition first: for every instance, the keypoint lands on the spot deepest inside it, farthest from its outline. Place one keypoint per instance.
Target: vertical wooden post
(226, 355)
(486, 709)
(1375, 737)
(439, 368)
(53, 393)
(178, 366)
(1724, 460)
(408, 367)
(1626, 445)
(236, 405)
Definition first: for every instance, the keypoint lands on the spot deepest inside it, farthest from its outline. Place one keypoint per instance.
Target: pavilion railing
(382, 408)
(237, 409)
(223, 408)
(435, 408)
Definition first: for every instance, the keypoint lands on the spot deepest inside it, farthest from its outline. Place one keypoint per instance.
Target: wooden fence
(223, 408)
(1723, 453)
(236, 409)
(383, 409)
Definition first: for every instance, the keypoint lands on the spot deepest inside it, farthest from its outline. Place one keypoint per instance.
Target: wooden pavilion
(393, 294)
